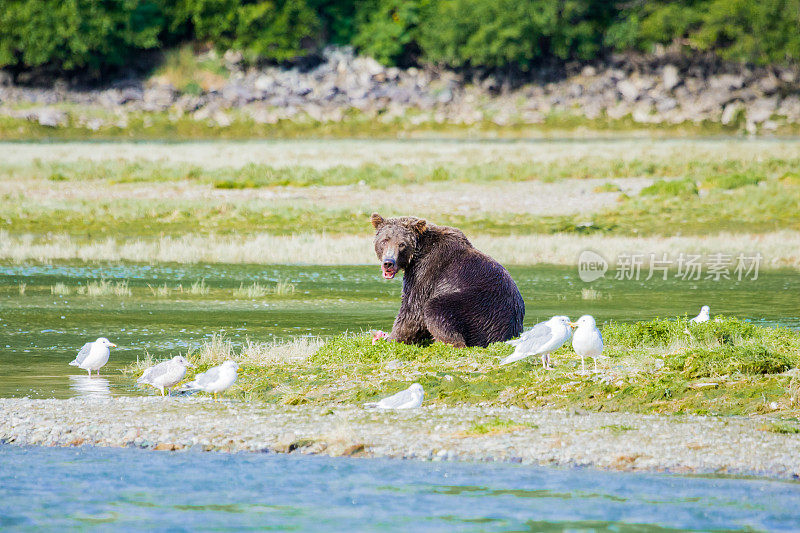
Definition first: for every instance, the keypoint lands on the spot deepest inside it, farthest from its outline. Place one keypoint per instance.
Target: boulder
(628, 90)
(761, 110)
(50, 117)
(670, 77)
(730, 111)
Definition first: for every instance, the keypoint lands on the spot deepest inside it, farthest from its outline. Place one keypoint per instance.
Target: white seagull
(94, 355)
(411, 398)
(587, 341)
(166, 374)
(215, 380)
(702, 317)
(541, 339)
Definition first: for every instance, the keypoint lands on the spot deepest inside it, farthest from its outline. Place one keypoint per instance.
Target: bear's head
(396, 241)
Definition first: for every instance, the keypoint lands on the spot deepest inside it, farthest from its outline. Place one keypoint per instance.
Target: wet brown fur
(452, 292)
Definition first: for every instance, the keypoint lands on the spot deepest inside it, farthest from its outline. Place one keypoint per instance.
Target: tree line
(74, 35)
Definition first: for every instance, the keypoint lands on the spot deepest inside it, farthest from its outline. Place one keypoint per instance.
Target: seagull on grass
(215, 380)
(411, 398)
(94, 355)
(702, 317)
(166, 374)
(541, 340)
(587, 341)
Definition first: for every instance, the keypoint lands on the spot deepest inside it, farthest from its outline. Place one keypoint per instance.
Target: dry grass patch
(219, 349)
(106, 288)
(199, 287)
(779, 249)
(60, 289)
(257, 290)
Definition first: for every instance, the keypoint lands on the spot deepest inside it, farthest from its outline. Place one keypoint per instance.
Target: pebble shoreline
(615, 441)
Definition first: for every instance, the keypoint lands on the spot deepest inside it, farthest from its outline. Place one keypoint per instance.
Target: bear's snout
(389, 267)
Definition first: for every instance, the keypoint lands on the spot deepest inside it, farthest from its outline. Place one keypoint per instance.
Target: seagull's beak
(189, 364)
(573, 324)
(112, 344)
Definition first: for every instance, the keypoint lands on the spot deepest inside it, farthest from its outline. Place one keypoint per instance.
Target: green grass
(782, 427)
(681, 188)
(748, 209)
(355, 124)
(497, 426)
(714, 174)
(738, 196)
(190, 74)
(607, 187)
(652, 367)
(618, 429)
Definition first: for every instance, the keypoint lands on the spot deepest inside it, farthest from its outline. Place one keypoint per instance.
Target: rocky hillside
(658, 89)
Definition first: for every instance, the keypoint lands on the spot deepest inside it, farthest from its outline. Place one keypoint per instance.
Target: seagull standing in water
(94, 355)
(411, 398)
(702, 317)
(541, 339)
(166, 374)
(587, 341)
(215, 380)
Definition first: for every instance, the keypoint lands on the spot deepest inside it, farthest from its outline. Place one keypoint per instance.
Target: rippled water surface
(41, 332)
(126, 488)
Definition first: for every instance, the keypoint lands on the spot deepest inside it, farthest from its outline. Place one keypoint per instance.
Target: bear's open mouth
(388, 273)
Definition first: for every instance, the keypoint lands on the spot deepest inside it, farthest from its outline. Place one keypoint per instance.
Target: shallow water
(127, 488)
(41, 332)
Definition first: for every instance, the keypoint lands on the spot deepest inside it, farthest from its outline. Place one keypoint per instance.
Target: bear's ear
(420, 226)
(377, 220)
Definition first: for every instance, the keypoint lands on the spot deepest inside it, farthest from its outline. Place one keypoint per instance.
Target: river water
(40, 332)
(134, 489)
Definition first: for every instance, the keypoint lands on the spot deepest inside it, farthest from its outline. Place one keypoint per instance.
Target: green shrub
(684, 187)
(71, 34)
(656, 332)
(503, 33)
(280, 30)
(386, 29)
(761, 32)
(732, 181)
(750, 358)
(493, 34)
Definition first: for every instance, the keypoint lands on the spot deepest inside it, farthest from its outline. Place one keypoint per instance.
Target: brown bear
(452, 292)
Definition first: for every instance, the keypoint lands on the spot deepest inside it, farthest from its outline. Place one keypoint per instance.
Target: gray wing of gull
(83, 353)
(398, 399)
(208, 377)
(155, 372)
(535, 339)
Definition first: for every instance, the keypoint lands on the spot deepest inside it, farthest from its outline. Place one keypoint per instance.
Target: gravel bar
(617, 441)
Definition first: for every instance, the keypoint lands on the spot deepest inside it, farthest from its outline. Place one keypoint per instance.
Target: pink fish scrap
(377, 335)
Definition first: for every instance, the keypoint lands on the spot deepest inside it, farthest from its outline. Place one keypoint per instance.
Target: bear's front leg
(409, 328)
(443, 320)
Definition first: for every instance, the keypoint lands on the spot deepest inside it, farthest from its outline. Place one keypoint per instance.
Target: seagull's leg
(583, 367)
(169, 392)
(595, 365)
(162, 390)
(89, 370)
